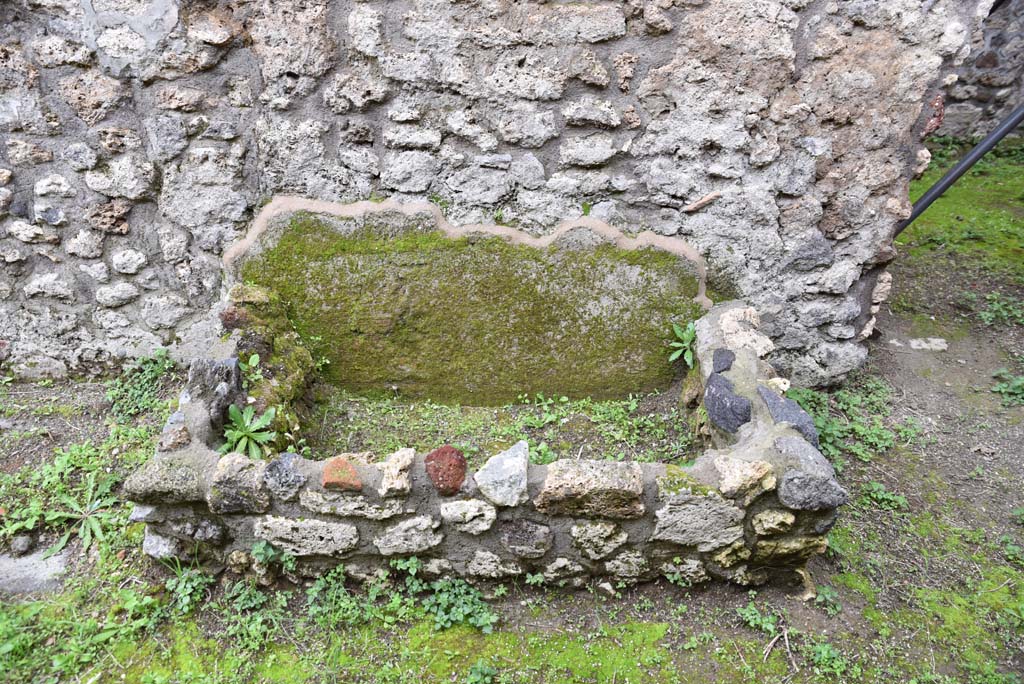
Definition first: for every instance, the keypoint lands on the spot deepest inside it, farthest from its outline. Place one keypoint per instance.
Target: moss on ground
(980, 220)
(477, 321)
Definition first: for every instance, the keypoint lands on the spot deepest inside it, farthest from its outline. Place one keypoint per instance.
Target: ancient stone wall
(758, 505)
(141, 137)
(990, 83)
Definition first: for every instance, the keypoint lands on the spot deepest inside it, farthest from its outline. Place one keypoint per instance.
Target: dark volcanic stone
(808, 492)
(722, 359)
(726, 409)
(526, 539)
(283, 478)
(785, 410)
(446, 468)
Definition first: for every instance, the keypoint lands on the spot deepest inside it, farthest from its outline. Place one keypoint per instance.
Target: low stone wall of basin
(758, 504)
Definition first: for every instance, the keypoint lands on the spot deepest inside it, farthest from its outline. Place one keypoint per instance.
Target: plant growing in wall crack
(683, 344)
(247, 434)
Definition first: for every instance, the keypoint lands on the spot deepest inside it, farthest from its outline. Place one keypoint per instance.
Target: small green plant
(1018, 515)
(1010, 387)
(138, 388)
(251, 371)
(1012, 550)
(252, 618)
(481, 672)
(829, 662)
(542, 454)
(753, 617)
(455, 602)
(1002, 309)
(683, 345)
(535, 579)
(246, 433)
(875, 493)
(268, 554)
(88, 514)
(587, 206)
(187, 587)
(828, 600)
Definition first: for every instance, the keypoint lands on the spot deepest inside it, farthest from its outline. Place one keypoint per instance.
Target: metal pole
(963, 166)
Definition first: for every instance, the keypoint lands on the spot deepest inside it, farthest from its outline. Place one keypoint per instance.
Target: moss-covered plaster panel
(475, 320)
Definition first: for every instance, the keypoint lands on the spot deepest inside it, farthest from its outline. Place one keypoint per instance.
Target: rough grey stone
(21, 544)
(503, 478)
(592, 488)
(486, 564)
(349, 505)
(410, 536)
(128, 261)
(628, 565)
(283, 477)
(236, 486)
(161, 547)
(690, 571)
(707, 522)
(307, 537)
(785, 410)
(118, 294)
(591, 150)
(526, 539)
(32, 574)
(472, 516)
(172, 478)
(598, 539)
(726, 409)
(805, 492)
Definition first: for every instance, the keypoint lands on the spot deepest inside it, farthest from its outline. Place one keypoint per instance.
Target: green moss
(979, 220)
(628, 652)
(476, 321)
(676, 480)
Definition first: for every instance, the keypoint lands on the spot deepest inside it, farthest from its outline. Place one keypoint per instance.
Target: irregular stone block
(592, 488)
(410, 536)
(722, 359)
(473, 516)
(491, 566)
(689, 571)
(789, 549)
(743, 478)
(726, 409)
(707, 522)
(785, 410)
(340, 474)
(349, 505)
(160, 547)
(178, 477)
(236, 486)
(630, 565)
(503, 478)
(805, 492)
(307, 537)
(563, 569)
(772, 521)
(598, 539)
(396, 478)
(175, 434)
(446, 468)
(283, 478)
(810, 484)
(525, 538)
